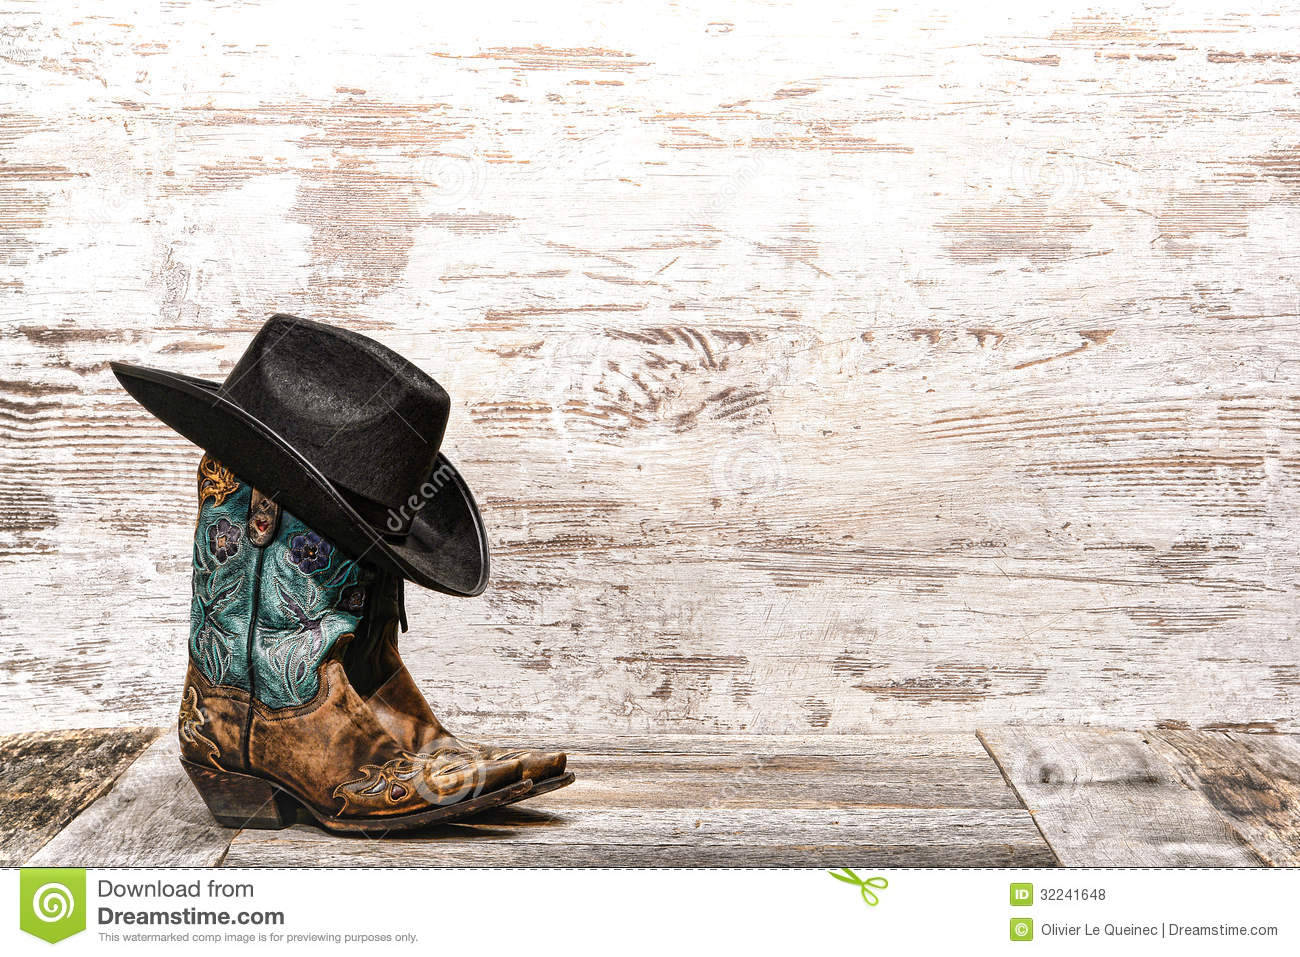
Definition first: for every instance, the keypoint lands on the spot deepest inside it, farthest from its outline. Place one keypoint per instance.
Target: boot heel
(241, 800)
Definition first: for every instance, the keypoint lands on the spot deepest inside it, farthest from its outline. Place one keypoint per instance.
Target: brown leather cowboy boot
(330, 492)
(379, 672)
(296, 694)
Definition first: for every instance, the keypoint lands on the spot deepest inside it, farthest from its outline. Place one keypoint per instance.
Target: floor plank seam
(1006, 776)
(91, 798)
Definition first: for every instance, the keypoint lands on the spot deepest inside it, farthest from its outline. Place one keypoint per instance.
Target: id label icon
(1022, 895)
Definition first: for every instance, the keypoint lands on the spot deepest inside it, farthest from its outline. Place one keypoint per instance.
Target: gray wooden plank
(1105, 798)
(886, 798)
(48, 777)
(941, 770)
(890, 745)
(827, 791)
(897, 799)
(152, 817)
(553, 835)
(1253, 780)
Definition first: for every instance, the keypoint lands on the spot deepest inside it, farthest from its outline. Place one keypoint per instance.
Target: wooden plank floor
(1107, 798)
(48, 777)
(1252, 779)
(710, 801)
(152, 816)
(1007, 797)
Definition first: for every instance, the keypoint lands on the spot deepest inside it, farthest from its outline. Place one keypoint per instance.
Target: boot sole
(246, 801)
(545, 786)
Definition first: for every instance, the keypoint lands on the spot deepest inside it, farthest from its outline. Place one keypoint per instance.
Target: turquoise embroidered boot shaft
(296, 694)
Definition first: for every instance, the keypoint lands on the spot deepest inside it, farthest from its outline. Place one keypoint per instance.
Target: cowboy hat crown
(346, 434)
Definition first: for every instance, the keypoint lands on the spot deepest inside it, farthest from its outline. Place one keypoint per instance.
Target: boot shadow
(491, 824)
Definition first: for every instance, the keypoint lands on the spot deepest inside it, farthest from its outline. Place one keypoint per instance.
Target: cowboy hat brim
(446, 548)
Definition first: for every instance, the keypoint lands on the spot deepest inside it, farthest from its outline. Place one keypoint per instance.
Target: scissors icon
(868, 895)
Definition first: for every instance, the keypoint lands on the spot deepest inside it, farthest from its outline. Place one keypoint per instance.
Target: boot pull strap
(263, 517)
(401, 602)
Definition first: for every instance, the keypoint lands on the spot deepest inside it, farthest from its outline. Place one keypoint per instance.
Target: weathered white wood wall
(816, 368)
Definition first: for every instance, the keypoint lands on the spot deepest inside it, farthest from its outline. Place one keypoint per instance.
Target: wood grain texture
(678, 837)
(791, 771)
(51, 776)
(818, 367)
(152, 817)
(1106, 798)
(1252, 780)
(882, 799)
(694, 801)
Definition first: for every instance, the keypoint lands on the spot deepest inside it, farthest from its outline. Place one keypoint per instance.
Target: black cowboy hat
(344, 434)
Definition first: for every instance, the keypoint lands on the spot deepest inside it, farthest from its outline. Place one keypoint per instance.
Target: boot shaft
(271, 598)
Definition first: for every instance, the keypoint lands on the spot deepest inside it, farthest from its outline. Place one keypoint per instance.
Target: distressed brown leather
(330, 750)
(211, 722)
(404, 713)
(385, 756)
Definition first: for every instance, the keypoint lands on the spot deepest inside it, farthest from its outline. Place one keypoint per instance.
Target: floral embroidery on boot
(223, 539)
(446, 776)
(310, 552)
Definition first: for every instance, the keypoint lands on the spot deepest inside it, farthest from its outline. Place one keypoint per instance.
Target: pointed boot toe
(537, 765)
